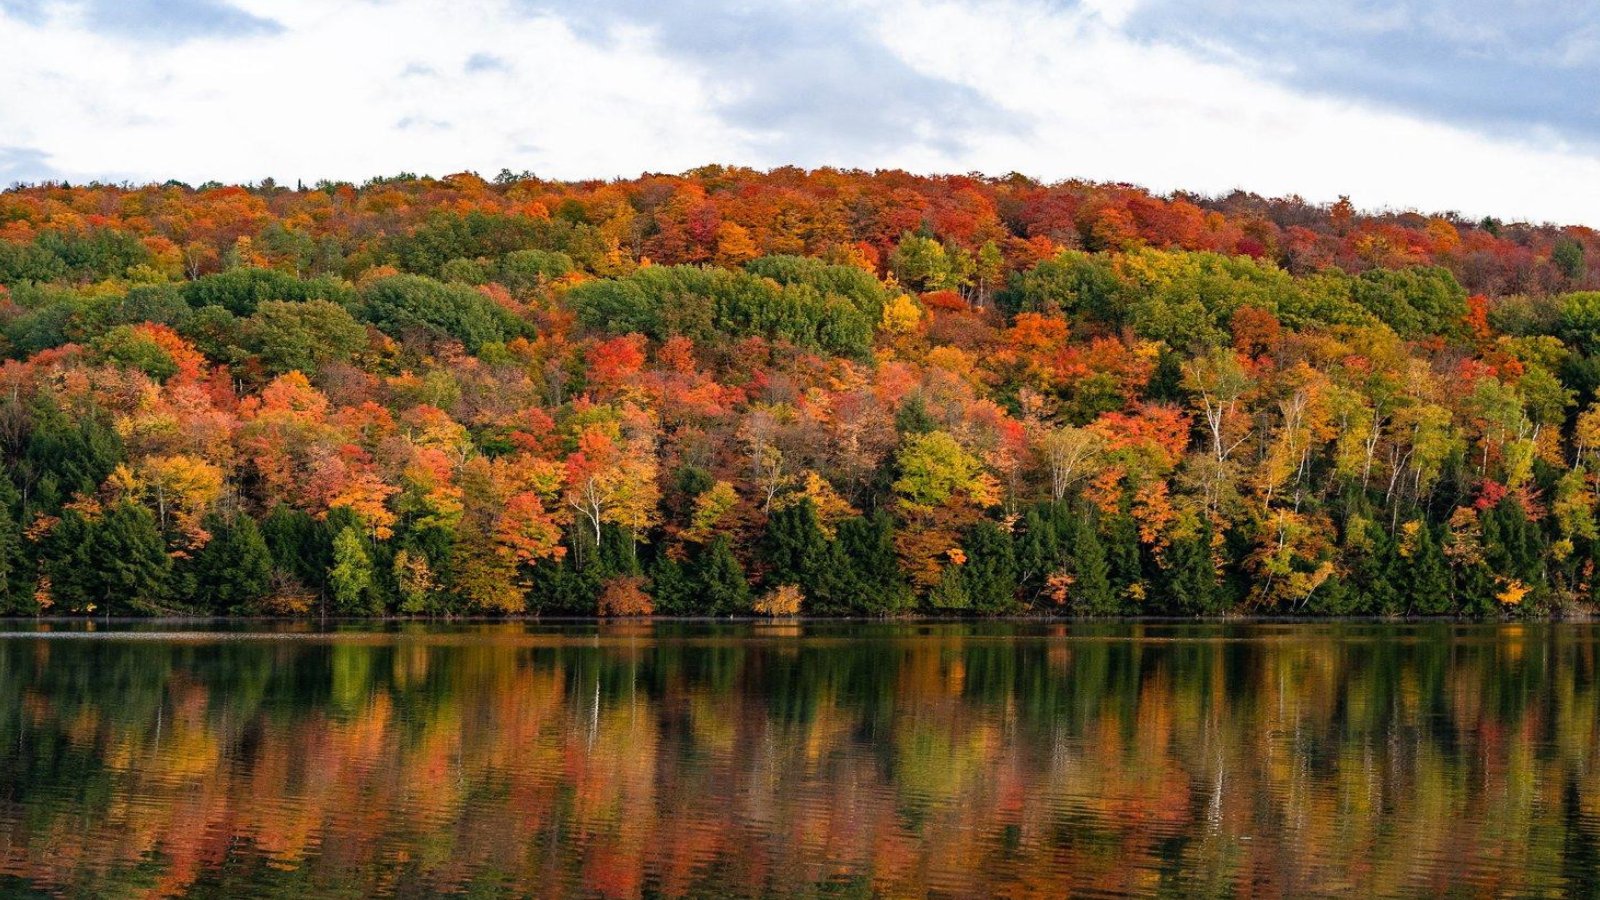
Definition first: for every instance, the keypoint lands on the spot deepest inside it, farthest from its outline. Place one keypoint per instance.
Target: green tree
(234, 569)
(922, 263)
(1568, 256)
(240, 291)
(413, 303)
(863, 575)
(350, 580)
(1415, 302)
(1424, 582)
(1191, 579)
(794, 547)
(723, 587)
(301, 336)
(990, 570)
(1088, 564)
(116, 563)
(671, 588)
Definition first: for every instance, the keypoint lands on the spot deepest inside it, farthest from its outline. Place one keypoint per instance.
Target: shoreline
(1570, 617)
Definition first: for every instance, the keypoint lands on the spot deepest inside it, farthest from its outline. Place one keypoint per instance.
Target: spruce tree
(794, 547)
(16, 592)
(670, 588)
(1191, 578)
(990, 571)
(723, 588)
(66, 560)
(234, 569)
(130, 565)
(298, 545)
(1038, 549)
(876, 585)
(1092, 590)
(1122, 552)
(1424, 579)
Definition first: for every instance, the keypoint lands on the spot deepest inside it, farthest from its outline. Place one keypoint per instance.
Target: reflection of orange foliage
(612, 765)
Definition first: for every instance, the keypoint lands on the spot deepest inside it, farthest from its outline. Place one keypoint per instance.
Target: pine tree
(671, 588)
(990, 571)
(1380, 572)
(130, 566)
(234, 569)
(875, 584)
(794, 547)
(1038, 549)
(950, 593)
(66, 562)
(1122, 553)
(1424, 580)
(16, 591)
(723, 588)
(1191, 578)
(298, 544)
(1092, 589)
(1518, 551)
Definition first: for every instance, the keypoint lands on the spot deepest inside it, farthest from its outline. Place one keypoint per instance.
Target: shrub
(783, 600)
(625, 596)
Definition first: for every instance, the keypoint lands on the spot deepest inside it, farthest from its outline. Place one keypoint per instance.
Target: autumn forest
(733, 392)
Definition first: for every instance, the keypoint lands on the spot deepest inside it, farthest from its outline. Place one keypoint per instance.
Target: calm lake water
(819, 759)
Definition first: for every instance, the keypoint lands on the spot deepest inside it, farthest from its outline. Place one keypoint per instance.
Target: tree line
(780, 393)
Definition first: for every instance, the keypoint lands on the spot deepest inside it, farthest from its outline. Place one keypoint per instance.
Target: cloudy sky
(1480, 106)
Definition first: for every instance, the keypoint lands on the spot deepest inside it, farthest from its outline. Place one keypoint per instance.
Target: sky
(1483, 107)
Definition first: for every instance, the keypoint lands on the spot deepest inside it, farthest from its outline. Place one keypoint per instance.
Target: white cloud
(327, 97)
(1107, 107)
(358, 88)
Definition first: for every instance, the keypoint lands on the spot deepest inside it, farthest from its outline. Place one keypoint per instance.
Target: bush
(625, 596)
(783, 600)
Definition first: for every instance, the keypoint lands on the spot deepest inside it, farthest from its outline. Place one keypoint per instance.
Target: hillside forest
(733, 392)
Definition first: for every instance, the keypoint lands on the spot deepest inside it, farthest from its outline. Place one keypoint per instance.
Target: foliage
(878, 393)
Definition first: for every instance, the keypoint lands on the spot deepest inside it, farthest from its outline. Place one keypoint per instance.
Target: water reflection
(816, 759)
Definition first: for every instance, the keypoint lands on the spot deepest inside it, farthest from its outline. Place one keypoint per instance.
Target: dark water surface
(831, 759)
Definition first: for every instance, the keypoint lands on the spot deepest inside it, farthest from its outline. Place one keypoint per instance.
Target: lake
(812, 759)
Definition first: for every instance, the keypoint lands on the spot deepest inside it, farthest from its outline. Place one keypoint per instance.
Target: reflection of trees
(987, 759)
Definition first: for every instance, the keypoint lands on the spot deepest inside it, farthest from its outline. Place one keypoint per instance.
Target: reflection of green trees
(674, 758)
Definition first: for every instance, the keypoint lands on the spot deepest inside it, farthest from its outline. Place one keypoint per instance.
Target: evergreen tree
(126, 568)
(298, 545)
(16, 591)
(990, 572)
(670, 588)
(1191, 579)
(1424, 581)
(1038, 551)
(723, 588)
(951, 592)
(1092, 590)
(1377, 572)
(564, 588)
(1512, 544)
(794, 547)
(66, 455)
(874, 583)
(234, 569)
(618, 555)
(66, 562)
(1122, 553)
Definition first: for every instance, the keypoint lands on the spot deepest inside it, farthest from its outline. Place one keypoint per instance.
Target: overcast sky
(1480, 106)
